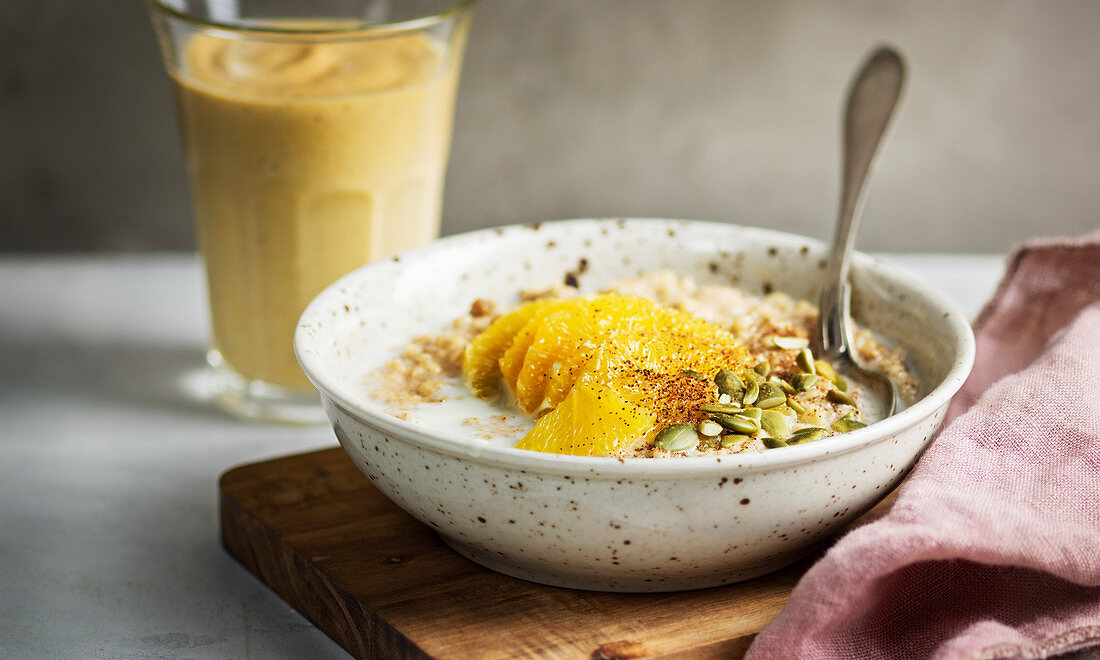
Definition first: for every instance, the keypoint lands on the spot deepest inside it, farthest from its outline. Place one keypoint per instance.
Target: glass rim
(359, 30)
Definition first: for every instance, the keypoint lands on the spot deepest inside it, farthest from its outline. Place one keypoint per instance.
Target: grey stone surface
(704, 109)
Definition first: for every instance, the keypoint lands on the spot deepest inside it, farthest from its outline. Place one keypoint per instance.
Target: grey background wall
(707, 109)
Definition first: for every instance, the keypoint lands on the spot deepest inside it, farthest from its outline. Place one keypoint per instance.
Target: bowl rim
(522, 459)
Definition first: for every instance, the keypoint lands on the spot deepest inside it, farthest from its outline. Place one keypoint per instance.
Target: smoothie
(307, 160)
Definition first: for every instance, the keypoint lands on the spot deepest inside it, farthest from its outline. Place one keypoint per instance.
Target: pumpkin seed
(803, 382)
(825, 369)
(752, 413)
(805, 360)
(791, 343)
(746, 425)
(770, 396)
(808, 434)
(737, 423)
(796, 406)
(750, 376)
(710, 428)
(775, 424)
(732, 439)
(783, 385)
(773, 443)
(693, 373)
(763, 368)
(847, 425)
(752, 392)
(838, 396)
(677, 437)
(727, 408)
(729, 383)
(840, 383)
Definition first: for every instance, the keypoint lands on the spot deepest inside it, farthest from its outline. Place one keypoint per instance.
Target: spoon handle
(873, 95)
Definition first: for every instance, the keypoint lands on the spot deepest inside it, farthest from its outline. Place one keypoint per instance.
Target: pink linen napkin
(992, 549)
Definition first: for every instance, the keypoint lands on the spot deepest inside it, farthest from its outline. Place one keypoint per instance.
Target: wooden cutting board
(382, 585)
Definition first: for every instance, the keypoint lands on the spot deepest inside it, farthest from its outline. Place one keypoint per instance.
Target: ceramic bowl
(603, 523)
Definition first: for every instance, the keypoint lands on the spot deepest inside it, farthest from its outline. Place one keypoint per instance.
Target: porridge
(652, 366)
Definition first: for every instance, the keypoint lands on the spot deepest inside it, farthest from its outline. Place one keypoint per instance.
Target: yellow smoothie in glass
(307, 160)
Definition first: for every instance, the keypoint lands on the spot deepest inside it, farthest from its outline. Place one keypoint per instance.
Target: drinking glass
(316, 137)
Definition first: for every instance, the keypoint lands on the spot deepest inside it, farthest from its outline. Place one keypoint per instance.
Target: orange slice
(592, 421)
(564, 331)
(481, 362)
(512, 359)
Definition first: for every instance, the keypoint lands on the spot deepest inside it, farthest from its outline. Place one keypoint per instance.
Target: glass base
(259, 401)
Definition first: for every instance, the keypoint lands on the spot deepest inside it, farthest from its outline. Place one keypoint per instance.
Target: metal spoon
(872, 97)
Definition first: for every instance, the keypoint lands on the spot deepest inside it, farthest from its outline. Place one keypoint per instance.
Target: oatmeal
(654, 366)
(418, 375)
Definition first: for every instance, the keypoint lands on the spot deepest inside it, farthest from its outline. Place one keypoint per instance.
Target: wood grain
(382, 585)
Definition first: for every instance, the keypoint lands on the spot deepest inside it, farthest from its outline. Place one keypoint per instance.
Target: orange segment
(512, 360)
(555, 339)
(568, 373)
(481, 361)
(562, 332)
(592, 421)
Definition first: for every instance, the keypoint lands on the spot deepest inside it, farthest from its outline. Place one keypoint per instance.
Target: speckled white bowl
(602, 523)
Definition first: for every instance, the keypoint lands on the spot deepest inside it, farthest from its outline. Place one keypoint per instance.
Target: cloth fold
(992, 548)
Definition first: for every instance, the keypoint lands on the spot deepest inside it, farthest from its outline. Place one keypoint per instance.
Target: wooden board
(382, 585)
